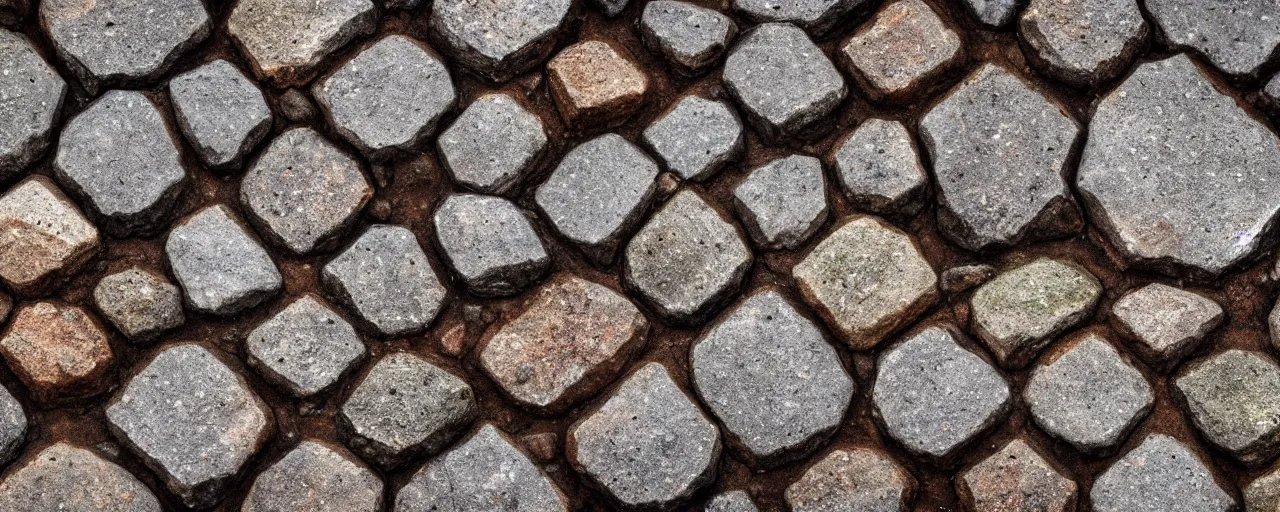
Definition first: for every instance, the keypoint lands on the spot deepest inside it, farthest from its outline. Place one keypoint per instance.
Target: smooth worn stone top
(42, 234)
(697, 137)
(1083, 42)
(902, 46)
(817, 16)
(139, 303)
(1021, 310)
(192, 420)
(1168, 322)
(221, 268)
(124, 42)
(571, 337)
(386, 279)
(649, 445)
(686, 259)
(119, 158)
(1176, 174)
(783, 202)
(490, 243)
(221, 111)
(303, 193)
(1160, 475)
(691, 37)
(1238, 36)
(470, 151)
(65, 477)
(1230, 398)
(1016, 478)
(315, 477)
(934, 396)
(57, 350)
(1000, 151)
(1088, 396)
(498, 38)
(285, 40)
(880, 170)
(771, 377)
(305, 348)
(599, 191)
(858, 479)
(782, 79)
(389, 96)
(868, 279)
(31, 96)
(483, 474)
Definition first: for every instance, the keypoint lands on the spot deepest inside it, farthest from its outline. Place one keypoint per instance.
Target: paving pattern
(596, 255)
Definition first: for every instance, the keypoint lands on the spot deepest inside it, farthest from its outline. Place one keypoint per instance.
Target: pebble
(903, 46)
(687, 260)
(1024, 308)
(690, 37)
(388, 98)
(879, 169)
(296, 106)
(405, 407)
(45, 236)
(1177, 175)
(303, 193)
(316, 477)
(221, 268)
(782, 80)
(222, 113)
(286, 40)
(772, 379)
(1000, 151)
(934, 396)
(140, 304)
(596, 86)
(962, 278)
(191, 420)
(385, 279)
(648, 446)
(515, 37)
(31, 98)
(473, 160)
(1088, 396)
(57, 350)
(598, 193)
(565, 345)
(696, 138)
(119, 159)
(783, 203)
(490, 244)
(1167, 322)
(1229, 398)
(483, 474)
(1160, 475)
(867, 279)
(1083, 43)
(66, 477)
(1016, 478)
(112, 43)
(858, 479)
(305, 348)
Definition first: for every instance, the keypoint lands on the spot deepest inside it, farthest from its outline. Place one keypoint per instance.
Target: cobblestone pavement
(723, 255)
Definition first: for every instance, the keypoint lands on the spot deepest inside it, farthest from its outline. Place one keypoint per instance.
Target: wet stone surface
(484, 473)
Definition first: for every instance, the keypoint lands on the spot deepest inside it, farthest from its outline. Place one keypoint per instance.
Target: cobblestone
(44, 236)
(1083, 43)
(57, 350)
(855, 479)
(696, 138)
(140, 304)
(221, 112)
(771, 378)
(516, 35)
(285, 40)
(404, 407)
(782, 79)
(13, 426)
(689, 36)
(904, 45)
(192, 420)
(305, 348)
(817, 16)
(466, 149)
(1016, 478)
(119, 159)
(994, 13)
(686, 234)
(1237, 37)
(317, 477)
(1159, 475)
(1167, 322)
(572, 334)
(879, 170)
(485, 473)
(388, 97)
(595, 85)
(490, 244)
(783, 202)
(1024, 308)
(868, 279)
(221, 268)
(648, 445)
(1227, 398)
(1263, 493)
(385, 279)
(66, 477)
(31, 98)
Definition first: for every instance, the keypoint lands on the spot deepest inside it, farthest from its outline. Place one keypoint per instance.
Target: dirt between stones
(409, 186)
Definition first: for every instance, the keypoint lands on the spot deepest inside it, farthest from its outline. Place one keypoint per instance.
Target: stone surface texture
(879, 170)
(57, 350)
(1161, 474)
(1082, 42)
(490, 244)
(855, 479)
(1238, 36)
(696, 138)
(31, 97)
(1167, 322)
(689, 36)
(285, 40)
(498, 38)
(783, 202)
(221, 268)
(66, 477)
(317, 477)
(1016, 478)
(1024, 308)
(484, 474)
(816, 16)
(386, 281)
(140, 304)
(305, 348)
(466, 149)
(221, 112)
(594, 84)
(44, 236)
(782, 79)
(1228, 400)
(904, 44)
